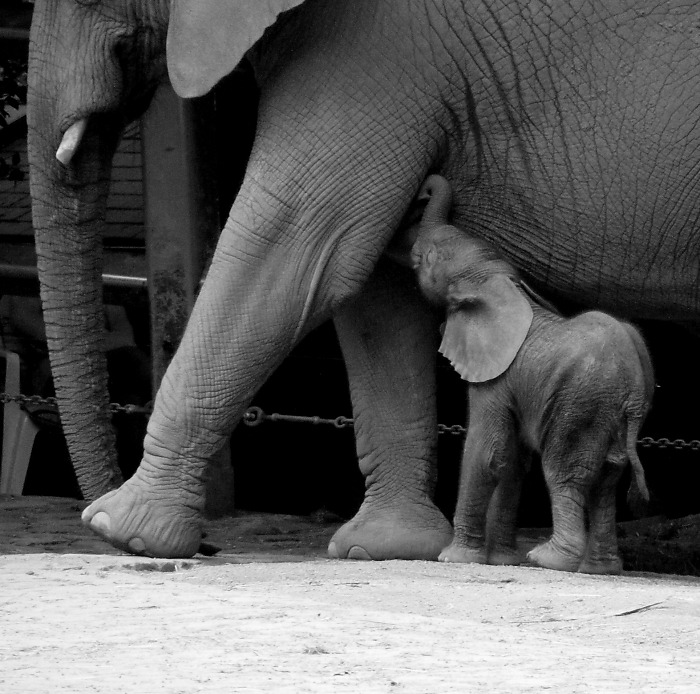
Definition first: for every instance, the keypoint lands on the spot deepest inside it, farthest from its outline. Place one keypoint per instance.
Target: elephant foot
(416, 531)
(548, 556)
(134, 521)
(460, 554)
(602, 565)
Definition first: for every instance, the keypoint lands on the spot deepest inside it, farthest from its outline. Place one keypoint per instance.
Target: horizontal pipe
(23, 280)
(17, 34)
(124, 282)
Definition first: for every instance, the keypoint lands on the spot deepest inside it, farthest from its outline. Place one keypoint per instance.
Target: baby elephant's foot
(463, 555)
(548, 556)
(601, 565)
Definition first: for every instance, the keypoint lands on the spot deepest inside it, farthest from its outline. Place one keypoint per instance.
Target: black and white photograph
(349, 346)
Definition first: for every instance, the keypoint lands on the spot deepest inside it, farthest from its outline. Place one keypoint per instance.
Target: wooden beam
(182, 226)
(181, 215)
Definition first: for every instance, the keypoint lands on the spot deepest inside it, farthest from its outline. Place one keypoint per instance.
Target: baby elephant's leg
(502, 519)
(601, 553)
(570, 476)
(486, 451)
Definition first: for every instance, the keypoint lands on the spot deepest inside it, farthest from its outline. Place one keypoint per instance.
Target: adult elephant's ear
(208, 38)
(486, 326)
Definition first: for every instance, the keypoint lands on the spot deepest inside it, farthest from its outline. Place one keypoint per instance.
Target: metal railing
(23, 280)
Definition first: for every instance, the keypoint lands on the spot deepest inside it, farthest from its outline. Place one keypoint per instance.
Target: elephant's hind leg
(601, 553)
(569, 477)
(388, 337)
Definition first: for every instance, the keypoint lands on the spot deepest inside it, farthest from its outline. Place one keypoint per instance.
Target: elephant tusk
(71, 141)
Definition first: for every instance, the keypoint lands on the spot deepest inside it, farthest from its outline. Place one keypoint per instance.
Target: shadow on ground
(38, 524)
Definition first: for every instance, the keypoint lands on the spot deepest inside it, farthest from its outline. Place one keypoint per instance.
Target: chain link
(676, 444)
(454, 429)
(254, 416)
(24, 400)
(52, 404)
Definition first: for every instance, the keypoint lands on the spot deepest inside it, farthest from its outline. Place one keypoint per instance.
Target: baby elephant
(575, 390)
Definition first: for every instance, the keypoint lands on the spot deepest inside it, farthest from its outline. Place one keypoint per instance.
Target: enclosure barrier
(23, 280)
(254, 416)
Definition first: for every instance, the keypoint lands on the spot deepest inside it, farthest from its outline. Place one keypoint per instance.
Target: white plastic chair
(18, 432)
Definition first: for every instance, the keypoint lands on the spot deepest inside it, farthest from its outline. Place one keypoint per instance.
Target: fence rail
(23, 280)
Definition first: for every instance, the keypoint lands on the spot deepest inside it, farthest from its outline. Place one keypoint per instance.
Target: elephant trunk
(436, 195)
(439, 194)
(91, 71)
(68, 210)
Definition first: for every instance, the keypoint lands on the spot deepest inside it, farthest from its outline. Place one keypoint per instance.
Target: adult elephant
(569, 130)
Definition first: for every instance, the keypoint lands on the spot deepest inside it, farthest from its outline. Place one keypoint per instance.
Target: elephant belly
(643, 264)
(580, 155)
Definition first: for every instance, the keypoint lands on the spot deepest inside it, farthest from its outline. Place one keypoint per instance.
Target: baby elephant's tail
(638, 493)
(636, 412)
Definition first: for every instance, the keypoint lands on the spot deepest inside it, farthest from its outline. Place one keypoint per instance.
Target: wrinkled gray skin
(569, 129)
(574, 390)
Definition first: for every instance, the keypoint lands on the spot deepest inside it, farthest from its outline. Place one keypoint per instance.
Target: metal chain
(254, 416)
(454, 429)
(677, 444)
(52, 403)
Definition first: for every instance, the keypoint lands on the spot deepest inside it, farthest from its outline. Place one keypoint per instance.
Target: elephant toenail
(359, 553)
(101, 523)
(136, 545)
(333, 551)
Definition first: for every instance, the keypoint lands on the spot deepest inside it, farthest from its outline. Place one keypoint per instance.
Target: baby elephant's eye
(416, 258)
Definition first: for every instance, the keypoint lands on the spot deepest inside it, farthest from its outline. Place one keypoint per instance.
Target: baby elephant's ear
(485, 328)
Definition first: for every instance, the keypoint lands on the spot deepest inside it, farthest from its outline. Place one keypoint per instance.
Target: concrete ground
(271, 614)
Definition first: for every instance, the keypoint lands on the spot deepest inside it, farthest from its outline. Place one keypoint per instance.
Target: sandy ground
(271, 614)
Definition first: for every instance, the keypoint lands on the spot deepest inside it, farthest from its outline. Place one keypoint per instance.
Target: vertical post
(182, 226)
(180, 214)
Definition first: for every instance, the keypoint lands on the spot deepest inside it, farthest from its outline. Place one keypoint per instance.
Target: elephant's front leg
(502, 518)
(388, 336)
(323, 191)
(489, 483)
(261, 295)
